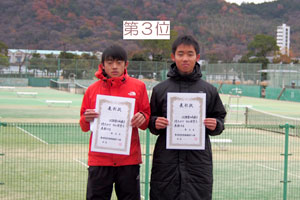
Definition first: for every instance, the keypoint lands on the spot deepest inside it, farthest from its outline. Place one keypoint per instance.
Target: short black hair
(187, 40)
(114, 52)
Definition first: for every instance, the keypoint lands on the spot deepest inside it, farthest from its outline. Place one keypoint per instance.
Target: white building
(18, 55)
(202, 62)
(283, 39)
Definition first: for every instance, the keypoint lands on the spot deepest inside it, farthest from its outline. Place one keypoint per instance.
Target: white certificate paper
(112, 130)
(186, 113)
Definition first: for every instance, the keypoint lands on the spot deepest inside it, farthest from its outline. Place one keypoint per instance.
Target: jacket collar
(194, 76)
(114, 81)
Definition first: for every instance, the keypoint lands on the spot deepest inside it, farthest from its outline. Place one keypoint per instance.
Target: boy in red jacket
(106, 169)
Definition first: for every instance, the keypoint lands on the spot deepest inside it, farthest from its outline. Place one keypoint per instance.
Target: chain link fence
(49, 161)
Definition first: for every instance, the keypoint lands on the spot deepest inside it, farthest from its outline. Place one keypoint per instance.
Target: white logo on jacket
(132, 93)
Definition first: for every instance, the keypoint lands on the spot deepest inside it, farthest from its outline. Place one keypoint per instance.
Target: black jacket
(183, 174)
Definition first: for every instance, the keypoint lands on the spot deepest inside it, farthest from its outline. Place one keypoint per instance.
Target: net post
(246, 116)
(3, 124)
(286, 155)
(281, 92)
(220, 86)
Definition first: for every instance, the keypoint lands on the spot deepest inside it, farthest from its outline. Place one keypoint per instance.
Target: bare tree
(21, 60)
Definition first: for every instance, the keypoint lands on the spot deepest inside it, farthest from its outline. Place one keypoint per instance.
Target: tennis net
(64, 86)
(268, 121)
(80, 89)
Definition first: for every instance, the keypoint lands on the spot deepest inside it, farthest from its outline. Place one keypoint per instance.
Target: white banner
(146, 30)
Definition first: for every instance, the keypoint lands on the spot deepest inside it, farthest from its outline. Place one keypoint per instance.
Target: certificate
(112, 130)
(186, 113)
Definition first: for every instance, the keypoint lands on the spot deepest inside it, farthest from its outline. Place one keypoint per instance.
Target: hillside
(223, 29)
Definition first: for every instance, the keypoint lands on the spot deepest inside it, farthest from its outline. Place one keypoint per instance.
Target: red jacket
(123, 86)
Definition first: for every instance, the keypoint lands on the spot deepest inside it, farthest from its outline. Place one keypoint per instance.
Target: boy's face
(185, 58)
(114, 68)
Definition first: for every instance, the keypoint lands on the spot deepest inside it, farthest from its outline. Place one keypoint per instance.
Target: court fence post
(286, 155)
(2, 154)
(58, 68)
(1, 183)
(140, 69)
(147, 164)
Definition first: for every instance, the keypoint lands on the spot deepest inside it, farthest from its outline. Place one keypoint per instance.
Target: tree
(160, 49)
(139, 57)
(88, 56)
(3, 49)
(35, 55)
(4, 62)
(284, 58)
(84, 32)
(262, 45)
(34, 62)
(212, 57)
(50, 55)
(258, 49)
(22, 61)
(68, 63)
(66, 55)
(78, 65)
(48, 65)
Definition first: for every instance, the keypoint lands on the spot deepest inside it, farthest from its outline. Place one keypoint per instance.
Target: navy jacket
(183, 174)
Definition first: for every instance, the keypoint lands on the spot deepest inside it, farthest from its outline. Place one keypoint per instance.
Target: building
(283, 39)
(18, 55)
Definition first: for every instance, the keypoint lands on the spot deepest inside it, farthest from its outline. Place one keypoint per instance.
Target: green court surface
(42, 162)
(46, 160)
(285, 108)
(44, 152)
(55, 133)
(27, 108)
(52, 161)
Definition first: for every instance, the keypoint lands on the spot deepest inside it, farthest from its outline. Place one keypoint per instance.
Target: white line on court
(40, 100)
(39, 139)
(82, 163)
(294, 175)
(276, 170)
(267, 167)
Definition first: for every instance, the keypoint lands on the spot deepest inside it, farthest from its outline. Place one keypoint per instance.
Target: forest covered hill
(222, 29)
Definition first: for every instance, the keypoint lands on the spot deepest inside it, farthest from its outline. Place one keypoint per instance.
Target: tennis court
(35, 109)
(42, 161)
(14, 108)
(252, 166)
(51, 160)
(44, 152)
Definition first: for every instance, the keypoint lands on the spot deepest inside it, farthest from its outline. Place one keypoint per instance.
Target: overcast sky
(248, 1)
